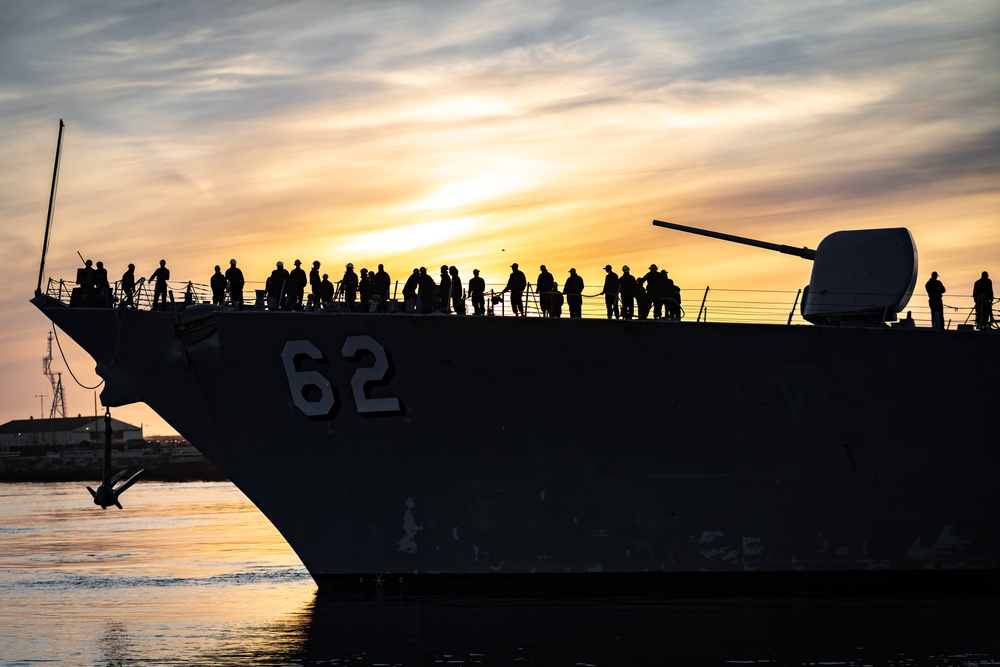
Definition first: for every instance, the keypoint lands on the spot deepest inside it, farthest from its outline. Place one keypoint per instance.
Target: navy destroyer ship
(588, 452)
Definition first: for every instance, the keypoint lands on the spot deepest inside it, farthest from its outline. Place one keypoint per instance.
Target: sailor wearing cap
(296, 286)
(276, 288)
(218, 285)
(545, 285)
(654, 293)
(935, 289)
(516, 285)
(610, 292)
(426, 292)
(128, 287)
(316, 285)
(380, 288)
(626, 291)
(161, 275)
(555, 300)
(101, 277)
(477, 292)
(349, 288)
(234, 278)
(573, 289)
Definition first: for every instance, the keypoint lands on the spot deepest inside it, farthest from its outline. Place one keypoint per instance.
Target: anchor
(106, 493)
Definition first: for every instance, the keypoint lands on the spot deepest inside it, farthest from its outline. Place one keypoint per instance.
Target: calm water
(191, 574)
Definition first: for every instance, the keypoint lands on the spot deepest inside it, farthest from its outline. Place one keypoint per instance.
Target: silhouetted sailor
(477, 292)
(234, 277)
(102, 286)
(101, 276)
(277, 287)
(982, 294)
(365, 290)
(457, 295)
(426, 291)
(296, 286)
(218, 284)
(651, 283)
(128, 287)
(410, 292)
(515, 285)
(641, 301)
(444, 293)
(315, 285)
(380, 288)
(671, 296)
(545, 285)
(573, 289)
(85, 276)
(326, 292)
(161, 276)
(555, 301)
(610, 292)
(626, 291)
(935, 290)
(349, 288)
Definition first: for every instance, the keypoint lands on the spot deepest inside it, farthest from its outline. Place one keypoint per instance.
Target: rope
(120, 313)
(63, 355)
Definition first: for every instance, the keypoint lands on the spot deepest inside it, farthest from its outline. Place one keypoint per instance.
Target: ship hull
(402, 448)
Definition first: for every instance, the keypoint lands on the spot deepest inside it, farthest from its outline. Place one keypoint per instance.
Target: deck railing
(708, 304)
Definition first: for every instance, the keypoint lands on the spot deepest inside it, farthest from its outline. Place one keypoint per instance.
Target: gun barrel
(804, 253)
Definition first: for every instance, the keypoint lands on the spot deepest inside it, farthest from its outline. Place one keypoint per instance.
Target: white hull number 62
(313, 394)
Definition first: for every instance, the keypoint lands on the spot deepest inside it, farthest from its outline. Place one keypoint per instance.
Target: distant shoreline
(88, 467)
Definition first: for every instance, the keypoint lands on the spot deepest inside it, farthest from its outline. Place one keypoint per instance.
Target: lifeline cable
(63, 355)
(118, 338)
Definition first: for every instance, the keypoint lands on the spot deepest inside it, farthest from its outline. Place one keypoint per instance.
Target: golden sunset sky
(479, 133)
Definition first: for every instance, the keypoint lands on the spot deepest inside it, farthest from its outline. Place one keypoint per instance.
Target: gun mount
(863, 276)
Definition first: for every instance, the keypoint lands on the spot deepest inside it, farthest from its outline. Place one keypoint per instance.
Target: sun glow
(405, 238)
(490, 187)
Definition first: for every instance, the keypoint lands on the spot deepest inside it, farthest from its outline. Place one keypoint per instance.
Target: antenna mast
(58, 396)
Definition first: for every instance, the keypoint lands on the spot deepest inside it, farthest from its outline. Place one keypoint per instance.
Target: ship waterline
(394, 448)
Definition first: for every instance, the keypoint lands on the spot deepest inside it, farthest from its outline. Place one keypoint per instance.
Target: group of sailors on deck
(655, 290)
(982, 294)
(654, 293)
(369, 291)
(285, 290)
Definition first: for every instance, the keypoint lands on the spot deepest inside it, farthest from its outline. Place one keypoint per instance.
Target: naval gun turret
(863, 276)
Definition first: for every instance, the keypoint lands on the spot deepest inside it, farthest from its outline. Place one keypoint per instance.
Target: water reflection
(636, 631)
(115, 644)
(176, 581)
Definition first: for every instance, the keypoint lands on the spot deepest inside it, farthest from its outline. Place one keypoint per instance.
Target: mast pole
(52, 202)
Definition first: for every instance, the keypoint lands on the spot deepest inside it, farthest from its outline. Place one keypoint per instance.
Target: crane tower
(58, 396)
